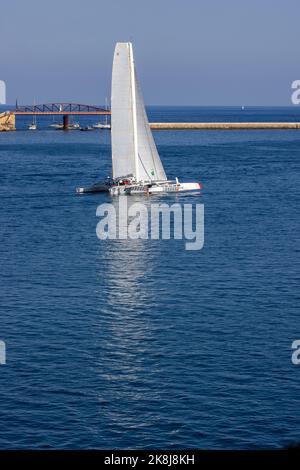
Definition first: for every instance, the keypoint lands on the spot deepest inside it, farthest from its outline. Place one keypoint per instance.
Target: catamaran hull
(97, 188)
(175, 188)
(155, 189)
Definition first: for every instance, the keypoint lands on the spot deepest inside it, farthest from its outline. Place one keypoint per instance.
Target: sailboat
(73, 126)
(56, 125)
(136, 165)
(33, 125)
(106, 125)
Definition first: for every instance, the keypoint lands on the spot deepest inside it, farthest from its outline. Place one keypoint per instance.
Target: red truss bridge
(60, 109)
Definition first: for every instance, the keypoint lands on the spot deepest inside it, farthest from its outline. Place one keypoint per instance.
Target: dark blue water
(142, 344)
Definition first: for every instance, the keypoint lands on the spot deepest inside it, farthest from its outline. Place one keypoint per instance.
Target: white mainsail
(134, 153)
(133, 147)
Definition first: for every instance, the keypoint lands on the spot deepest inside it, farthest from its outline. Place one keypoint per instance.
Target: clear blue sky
(194, 52)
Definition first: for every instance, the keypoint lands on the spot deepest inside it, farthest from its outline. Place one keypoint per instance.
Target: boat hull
(164, 188)
(101, 126)
(96, 188)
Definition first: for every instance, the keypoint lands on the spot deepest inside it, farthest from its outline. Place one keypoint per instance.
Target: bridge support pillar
(65, 122)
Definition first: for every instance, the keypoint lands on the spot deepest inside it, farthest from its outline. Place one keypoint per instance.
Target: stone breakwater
(224, 125)
(7, 121)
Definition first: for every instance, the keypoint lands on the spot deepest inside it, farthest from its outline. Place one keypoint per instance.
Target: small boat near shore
(71, 127)
(33, 125)
(56, 125)
(99, 125)
(74, 126)
(87, 128)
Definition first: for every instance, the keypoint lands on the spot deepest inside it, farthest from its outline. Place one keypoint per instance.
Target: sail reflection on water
(127, 301)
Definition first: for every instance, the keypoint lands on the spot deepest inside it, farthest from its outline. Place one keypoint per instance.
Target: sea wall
(224, 125)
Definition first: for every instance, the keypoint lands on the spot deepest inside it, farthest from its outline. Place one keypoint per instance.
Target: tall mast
(34, 116)
(106, 108)
(133, 94)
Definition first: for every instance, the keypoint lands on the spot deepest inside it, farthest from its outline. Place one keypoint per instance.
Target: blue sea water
(142, 344)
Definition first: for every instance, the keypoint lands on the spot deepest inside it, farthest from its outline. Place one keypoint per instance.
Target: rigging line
(144, 167)
(148, 131)
(150, 137)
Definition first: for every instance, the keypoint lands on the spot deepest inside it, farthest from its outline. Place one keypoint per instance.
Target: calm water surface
(142, 344)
